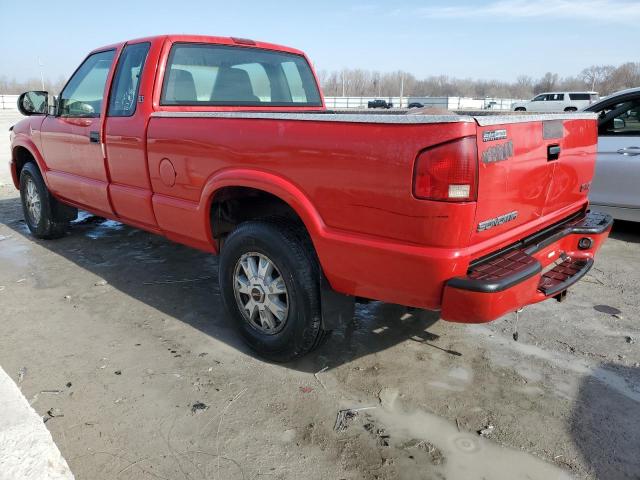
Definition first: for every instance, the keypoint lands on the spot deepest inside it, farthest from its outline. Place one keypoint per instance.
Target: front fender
(24, 141)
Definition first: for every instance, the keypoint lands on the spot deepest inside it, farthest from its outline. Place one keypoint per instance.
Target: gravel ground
(124, 333)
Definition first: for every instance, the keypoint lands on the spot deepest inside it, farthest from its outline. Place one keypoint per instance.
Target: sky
(490, 39)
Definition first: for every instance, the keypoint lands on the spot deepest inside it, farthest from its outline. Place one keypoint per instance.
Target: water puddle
(96, 227)
(82, 218)
(466, 456)
(511, 354)
(14, 252)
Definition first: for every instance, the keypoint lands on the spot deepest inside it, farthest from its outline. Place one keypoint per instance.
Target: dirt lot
(124, 333)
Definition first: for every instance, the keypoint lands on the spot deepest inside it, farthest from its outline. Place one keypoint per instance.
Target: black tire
(288, 248)
(53, 220)
(571, 109)
(520, 109)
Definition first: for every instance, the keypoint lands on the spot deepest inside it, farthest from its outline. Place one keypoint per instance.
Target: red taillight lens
(447, 172)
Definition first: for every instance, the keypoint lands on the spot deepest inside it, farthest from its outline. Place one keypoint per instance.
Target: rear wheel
(269, 280)
(571, 109)
(43, 214)
(520, 109)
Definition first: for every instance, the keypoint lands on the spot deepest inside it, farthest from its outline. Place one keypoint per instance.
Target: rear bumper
(540, 267)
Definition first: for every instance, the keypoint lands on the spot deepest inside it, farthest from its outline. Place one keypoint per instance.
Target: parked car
(557, 102)
(415, 105)
(615, 185)
(379, 104)
(225, 145)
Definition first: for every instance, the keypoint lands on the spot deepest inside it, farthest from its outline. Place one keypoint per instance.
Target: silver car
(616, 184)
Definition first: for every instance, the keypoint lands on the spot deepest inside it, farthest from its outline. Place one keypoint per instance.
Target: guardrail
(450, 103)
(9, 102)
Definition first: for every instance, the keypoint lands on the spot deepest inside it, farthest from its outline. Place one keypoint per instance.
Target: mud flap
(337, 309)
(63, 212)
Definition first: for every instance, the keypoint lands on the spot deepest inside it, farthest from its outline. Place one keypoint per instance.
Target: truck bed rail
(393, 117)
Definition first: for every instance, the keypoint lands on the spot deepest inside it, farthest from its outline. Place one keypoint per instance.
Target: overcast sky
(498, 39)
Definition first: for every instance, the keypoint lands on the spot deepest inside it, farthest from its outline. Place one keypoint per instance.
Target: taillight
(447, 172)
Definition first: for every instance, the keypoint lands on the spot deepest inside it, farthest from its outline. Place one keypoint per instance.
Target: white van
(557, 102)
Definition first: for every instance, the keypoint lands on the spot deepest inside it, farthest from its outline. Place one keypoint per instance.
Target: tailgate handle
(553, 152)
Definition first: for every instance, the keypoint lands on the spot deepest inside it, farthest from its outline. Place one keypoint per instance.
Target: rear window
(205, 74)
(579, 96)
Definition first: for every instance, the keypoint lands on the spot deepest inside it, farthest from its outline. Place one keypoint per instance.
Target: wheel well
(234, 205)
(520, 109)
(21, 156)
(571, 109)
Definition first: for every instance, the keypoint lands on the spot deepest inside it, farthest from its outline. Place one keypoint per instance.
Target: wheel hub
(261, 293)
(257, 294)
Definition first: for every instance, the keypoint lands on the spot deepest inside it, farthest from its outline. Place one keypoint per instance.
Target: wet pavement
(152, 381)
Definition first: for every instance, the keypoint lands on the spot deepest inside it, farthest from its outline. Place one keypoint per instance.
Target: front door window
(83, 95)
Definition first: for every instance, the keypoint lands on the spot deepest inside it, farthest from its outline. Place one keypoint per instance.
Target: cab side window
(126, 82)
(83, 94)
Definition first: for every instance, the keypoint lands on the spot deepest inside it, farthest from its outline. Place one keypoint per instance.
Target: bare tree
(546, 83)
(596, 75)
(626, 75)
(523, 87)
(12, 86)
(604, 79)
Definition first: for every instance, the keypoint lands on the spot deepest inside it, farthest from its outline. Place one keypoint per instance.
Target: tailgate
(531, 168)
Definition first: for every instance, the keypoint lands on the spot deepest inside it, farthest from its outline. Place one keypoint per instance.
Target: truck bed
(351, 174)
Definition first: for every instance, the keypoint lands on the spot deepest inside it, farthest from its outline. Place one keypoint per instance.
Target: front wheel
(520, 109)
(43, 214)
(269, 281)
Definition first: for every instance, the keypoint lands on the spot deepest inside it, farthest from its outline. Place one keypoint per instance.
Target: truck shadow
(605, 423)
(626, 231)
(182, 283)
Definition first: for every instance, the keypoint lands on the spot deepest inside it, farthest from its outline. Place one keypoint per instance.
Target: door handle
(630, 151)
(94, 137)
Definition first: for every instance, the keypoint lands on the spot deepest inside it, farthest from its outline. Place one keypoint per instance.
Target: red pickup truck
(224, 144)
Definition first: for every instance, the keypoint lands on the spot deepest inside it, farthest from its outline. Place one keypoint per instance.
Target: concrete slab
(27, 451)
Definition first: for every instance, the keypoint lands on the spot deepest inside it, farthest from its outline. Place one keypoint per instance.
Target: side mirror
(619, 123)
(52, 105)
(33, 103)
